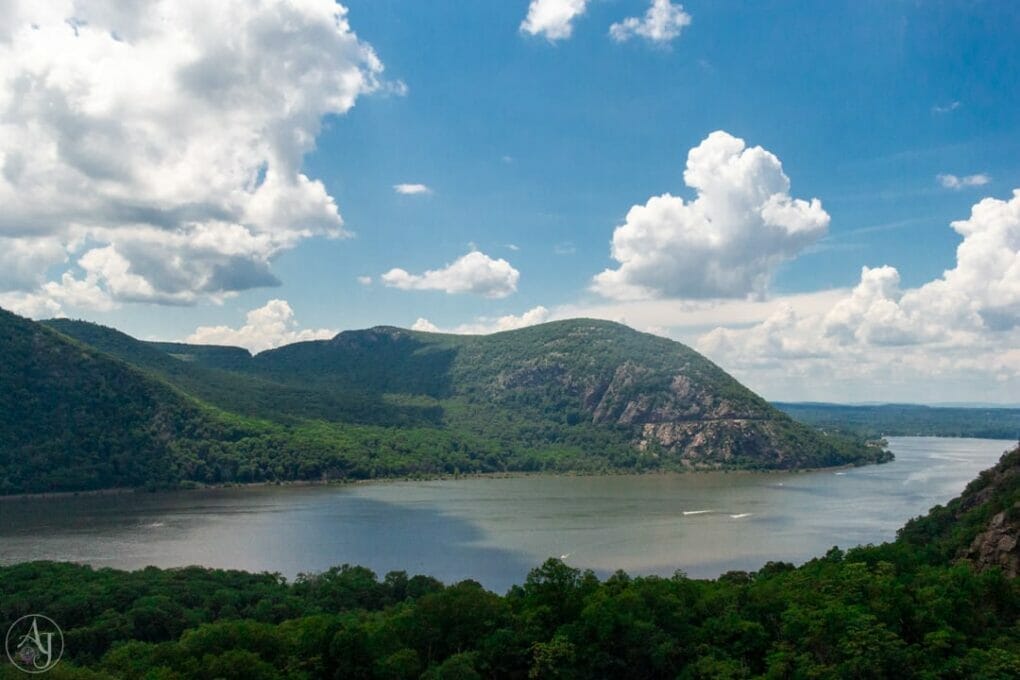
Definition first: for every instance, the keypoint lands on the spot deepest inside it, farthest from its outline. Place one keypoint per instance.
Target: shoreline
(116, 491)
(509, 474)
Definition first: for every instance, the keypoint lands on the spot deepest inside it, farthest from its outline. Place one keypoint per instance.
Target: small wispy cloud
(661, 23)
(395, 88)
(412, 189)
(512, 246)
(945, 108)
(365, 280)
(955, 182)
(565, 248)
(884, 226)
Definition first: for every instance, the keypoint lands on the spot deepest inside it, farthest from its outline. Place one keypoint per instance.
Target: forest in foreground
(941, 601)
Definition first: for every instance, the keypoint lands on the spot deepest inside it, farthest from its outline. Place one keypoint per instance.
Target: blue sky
(534, 150)
(845, 98)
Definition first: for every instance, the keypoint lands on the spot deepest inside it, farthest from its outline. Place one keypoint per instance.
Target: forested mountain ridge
(896, 610)
(570, 375)
(572, 395)
(895, 420)
(72, 417)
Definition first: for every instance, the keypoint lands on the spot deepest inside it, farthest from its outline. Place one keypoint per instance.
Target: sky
(823, 198)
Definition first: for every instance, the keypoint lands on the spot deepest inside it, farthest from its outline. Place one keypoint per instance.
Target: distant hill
(580, 395)
(878, 420)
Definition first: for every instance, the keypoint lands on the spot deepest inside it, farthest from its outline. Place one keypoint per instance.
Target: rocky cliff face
(677, 406)
(686, 419)
(682, 417)
(999, 545)
(998, 542)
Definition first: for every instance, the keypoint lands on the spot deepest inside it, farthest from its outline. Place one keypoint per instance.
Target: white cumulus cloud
(955, 182)
(269, 326)
(423, 324)
(553, 19)
(486, 325)
(475, 273)
(152, 151)
(411, 189)
(962, 328)
(726, 242)
(33, 305)
(661, 23)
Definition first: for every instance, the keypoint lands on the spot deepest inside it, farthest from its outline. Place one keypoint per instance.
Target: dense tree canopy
(872, 612)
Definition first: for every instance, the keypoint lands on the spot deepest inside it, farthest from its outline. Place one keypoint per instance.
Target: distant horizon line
(934, 404)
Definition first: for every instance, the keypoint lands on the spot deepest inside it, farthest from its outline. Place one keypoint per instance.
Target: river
(494, 530)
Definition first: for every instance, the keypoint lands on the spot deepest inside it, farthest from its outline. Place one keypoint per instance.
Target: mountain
(580, 395)
(72, 417)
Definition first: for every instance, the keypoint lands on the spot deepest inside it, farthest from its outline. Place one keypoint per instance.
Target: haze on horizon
(828, 214)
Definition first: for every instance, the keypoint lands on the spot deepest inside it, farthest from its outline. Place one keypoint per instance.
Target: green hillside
(579, 395)
(74, 418)
(223, 376)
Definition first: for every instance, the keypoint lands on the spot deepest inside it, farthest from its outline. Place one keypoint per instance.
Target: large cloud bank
(963, 327)
(152, 151)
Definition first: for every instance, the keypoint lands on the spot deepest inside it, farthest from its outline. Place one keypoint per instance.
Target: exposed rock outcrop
(691, 414)
(981, 526)
(999, 545)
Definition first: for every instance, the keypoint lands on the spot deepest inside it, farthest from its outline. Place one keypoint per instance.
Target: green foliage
(87, 407)
(74, 418)
(834, 617)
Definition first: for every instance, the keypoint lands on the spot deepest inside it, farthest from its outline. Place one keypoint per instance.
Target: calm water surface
(495, 530)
